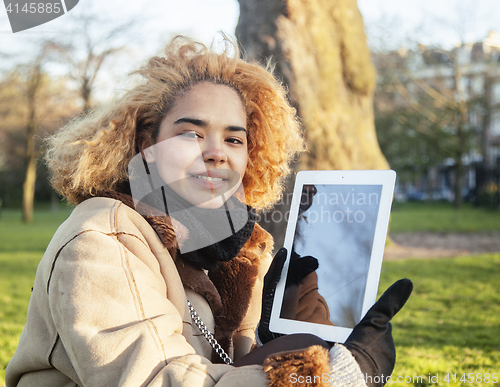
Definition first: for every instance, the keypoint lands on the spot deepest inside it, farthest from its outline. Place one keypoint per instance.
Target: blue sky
(389, 22)
(444, 22)
(203, 18)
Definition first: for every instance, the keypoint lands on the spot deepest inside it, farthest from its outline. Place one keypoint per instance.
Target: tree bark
(30, 174)
(33, 85)
(320, 52)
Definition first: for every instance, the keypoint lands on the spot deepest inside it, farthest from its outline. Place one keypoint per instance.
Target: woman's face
(201, 149)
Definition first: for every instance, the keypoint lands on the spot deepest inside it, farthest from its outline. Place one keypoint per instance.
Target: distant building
(470, 72)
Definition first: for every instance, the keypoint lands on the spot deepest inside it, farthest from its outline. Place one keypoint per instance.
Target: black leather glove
(271, 279)
(300, 268)
(371, 341)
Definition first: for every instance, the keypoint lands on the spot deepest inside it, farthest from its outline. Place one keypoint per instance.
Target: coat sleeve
(302, 302)
(110, 306)
(312, 307)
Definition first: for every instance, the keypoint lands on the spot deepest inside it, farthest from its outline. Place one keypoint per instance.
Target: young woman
(140, 287)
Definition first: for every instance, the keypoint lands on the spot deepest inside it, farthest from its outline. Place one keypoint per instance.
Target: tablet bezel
(384, 178)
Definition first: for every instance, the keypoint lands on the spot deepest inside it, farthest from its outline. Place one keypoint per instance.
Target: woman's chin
(211, 199)
(216, 202)
(208, 196)
(206, 199)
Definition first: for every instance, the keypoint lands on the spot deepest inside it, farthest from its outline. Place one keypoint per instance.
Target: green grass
(17, 272)
(451, 323)
(21, 248)
(35, 236)
(442, 217)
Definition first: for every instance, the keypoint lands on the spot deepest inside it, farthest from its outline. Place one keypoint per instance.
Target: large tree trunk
(320, 51)
(30, 174)
(33, 85)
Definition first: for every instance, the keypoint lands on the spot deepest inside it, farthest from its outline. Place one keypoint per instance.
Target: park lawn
(21, 248)
(450, 325)
(35, 236)
(17, 272)
(442, 217)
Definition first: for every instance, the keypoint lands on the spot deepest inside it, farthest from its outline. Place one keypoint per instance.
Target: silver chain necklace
(210, 338)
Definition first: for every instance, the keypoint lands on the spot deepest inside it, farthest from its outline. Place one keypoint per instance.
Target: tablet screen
(336, 226)
(335, 240)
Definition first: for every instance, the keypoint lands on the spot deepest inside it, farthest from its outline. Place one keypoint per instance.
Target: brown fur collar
(227, 289)
(304, 368)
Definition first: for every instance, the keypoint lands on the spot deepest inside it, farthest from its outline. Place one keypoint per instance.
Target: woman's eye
(234, 141)
(192, 135)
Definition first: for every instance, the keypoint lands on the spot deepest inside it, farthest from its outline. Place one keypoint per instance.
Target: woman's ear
(148, 155)
(146, 148)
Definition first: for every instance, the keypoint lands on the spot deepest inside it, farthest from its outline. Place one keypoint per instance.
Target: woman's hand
(292, 342)
(271, 279)
(371, 341)
(300, 267)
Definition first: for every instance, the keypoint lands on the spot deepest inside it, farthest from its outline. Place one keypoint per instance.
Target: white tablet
(335, 241)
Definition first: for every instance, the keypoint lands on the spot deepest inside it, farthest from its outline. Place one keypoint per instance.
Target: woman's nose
(214, 152)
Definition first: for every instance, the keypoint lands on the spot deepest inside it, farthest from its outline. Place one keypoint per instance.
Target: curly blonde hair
(91, 153)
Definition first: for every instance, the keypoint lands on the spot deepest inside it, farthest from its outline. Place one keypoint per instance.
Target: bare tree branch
(87, 48)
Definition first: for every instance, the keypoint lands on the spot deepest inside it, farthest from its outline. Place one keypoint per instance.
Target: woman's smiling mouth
(208, 181)
(208, 178)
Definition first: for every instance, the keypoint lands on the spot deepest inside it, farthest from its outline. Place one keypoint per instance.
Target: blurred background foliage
(430, 111)
(425, 111)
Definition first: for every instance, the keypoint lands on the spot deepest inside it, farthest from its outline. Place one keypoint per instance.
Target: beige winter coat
(109, 309)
